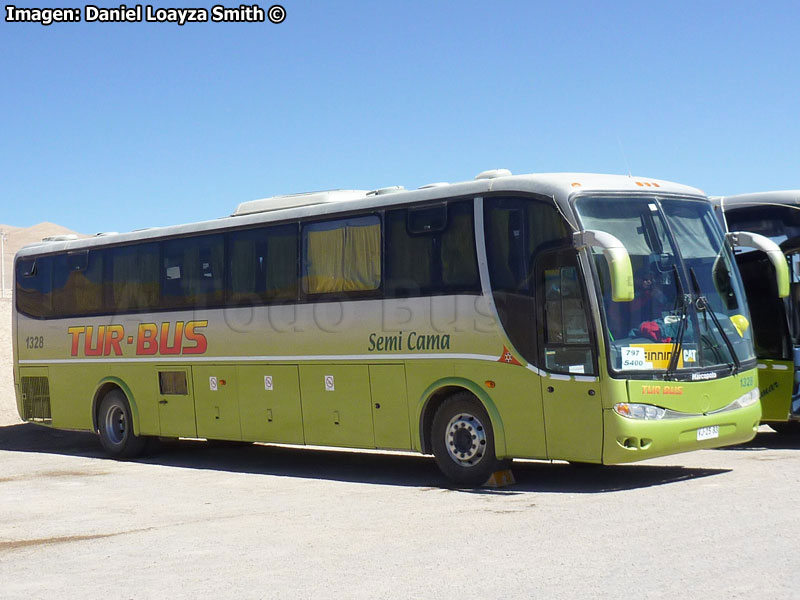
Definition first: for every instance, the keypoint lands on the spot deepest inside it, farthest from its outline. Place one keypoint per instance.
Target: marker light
(646, 412)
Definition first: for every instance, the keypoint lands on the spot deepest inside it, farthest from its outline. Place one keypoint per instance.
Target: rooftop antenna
(625, 158)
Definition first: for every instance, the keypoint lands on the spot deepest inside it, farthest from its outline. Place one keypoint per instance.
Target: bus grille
(36, 399)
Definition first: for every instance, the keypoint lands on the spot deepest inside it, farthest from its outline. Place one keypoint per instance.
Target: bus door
(176, 402)
(573, 412)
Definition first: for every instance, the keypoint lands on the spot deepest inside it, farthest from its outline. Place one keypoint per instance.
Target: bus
(776, 322)
(579, 317)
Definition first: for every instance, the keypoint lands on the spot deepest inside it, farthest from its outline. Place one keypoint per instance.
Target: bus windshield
(687, 296)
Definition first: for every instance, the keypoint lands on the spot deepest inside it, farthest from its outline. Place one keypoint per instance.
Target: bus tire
(787, 428)
(463, 440)
(115, 426)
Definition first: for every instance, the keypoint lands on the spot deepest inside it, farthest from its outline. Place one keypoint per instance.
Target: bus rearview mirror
(747, 239)
(619, 262)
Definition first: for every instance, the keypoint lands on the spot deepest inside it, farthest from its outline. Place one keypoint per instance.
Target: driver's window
(566, 343)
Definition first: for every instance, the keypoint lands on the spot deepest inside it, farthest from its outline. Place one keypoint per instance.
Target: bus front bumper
(629, 440)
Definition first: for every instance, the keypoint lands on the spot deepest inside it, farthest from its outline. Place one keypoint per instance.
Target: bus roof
(559, 186)
(781, 197)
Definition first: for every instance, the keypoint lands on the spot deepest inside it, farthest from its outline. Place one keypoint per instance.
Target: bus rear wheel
(115, 426)
(463, 440)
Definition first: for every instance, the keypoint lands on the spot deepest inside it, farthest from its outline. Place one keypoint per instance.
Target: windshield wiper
(704, 306)
(683, 301)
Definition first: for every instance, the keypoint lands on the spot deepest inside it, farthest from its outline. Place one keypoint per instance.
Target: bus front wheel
(463, 440)
(115, 426)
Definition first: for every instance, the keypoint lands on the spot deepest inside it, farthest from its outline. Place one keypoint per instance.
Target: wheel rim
(465, 439)
(116, 425)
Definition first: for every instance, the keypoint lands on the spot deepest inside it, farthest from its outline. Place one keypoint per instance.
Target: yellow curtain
(324, 269)
(362, 257)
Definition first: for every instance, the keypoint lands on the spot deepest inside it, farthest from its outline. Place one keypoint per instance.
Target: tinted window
(342, 255)
(78, 283)
(133, 277)
(427, 219)
(426, 256)
(33, 285)
(767, 311)
(173, 383)
(516, 230)
(263, 264)
(566, 342)
(193, 271)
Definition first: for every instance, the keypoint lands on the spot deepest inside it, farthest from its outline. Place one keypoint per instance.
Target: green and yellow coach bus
(776, 322)
(587, 318)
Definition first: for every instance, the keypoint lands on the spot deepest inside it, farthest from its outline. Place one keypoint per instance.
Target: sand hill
(22, 236)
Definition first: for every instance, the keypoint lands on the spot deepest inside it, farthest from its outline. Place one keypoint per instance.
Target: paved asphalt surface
(210, 520)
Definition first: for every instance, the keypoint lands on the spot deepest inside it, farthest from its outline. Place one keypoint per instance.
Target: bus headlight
(747, 399)
(639, 411)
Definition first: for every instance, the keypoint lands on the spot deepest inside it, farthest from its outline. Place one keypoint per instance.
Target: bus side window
(566, 340)
(342, 256)
(517, 229)
(431, 250)
(33, 286)
(262, 264)
(78, 283)
(133, 277)
(192, 274)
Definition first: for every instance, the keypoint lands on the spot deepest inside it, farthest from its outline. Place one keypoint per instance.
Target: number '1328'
(34, 342)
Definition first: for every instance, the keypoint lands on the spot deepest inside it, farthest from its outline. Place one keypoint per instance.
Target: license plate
(708, 433)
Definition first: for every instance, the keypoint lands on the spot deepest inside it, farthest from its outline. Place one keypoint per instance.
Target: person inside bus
(642, 316)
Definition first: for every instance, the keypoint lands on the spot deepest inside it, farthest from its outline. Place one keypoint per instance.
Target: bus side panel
(337, 406)
(269, 403)
(216, 402)
(73, 388)
(518, 399)
(390, 407)
(420, 375)
(775, 384)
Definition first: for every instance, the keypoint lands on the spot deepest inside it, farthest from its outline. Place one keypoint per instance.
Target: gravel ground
(272, 522)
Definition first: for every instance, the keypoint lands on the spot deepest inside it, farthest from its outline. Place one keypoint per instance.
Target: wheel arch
(106, 385)
(433, 397)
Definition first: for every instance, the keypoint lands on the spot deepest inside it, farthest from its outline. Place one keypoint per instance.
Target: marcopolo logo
(166, 338)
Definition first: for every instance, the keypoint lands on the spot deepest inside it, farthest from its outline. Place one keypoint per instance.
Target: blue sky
(112, 127)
